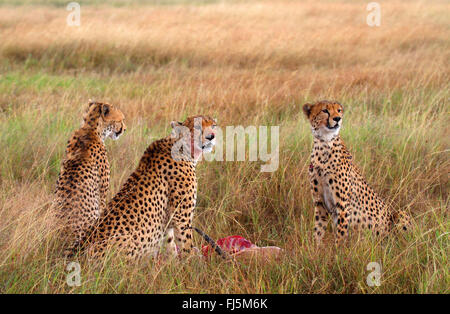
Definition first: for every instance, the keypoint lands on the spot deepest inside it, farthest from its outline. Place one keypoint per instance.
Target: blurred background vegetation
(246, 63)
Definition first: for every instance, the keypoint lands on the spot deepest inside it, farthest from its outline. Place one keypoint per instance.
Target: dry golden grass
(251, 63)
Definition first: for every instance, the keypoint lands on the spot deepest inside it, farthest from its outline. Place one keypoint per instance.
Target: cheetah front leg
(320, 211)
(337, 203)
(342, 224)
(183, 234)
(182, 224)
(171, 246)
(320, 221)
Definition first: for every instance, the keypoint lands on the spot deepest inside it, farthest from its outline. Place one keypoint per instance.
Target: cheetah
(338, 188)
(159, 197)
(83, 182)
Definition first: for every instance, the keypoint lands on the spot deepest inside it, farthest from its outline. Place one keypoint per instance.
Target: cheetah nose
(337, 119)
(210, 137)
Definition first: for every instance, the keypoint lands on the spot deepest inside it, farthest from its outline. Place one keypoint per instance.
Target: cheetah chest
(330, 203)
(322, 162)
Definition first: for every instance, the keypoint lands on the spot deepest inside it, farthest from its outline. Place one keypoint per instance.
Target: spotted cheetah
(159, 197)
(83, 182)
(338, 188)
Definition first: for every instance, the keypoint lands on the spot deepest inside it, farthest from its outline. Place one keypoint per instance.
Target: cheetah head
(197, 132)
(110, 119)
(325, 118)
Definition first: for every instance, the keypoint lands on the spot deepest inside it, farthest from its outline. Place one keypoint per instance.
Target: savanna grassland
(245, 63)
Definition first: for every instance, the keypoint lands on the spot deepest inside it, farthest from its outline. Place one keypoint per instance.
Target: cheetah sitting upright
(160, 195)
(83, 182)
(338, 188)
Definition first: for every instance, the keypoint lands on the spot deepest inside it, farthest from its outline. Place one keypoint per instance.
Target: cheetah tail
(217, 248)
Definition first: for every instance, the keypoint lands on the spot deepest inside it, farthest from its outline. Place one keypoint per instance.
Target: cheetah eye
(325, 110)
(339, 110)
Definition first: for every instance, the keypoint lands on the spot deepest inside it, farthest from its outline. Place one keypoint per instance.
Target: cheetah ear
(105, 109)
(175, 128)
(174, 124)
(91, 102)
(307, 109)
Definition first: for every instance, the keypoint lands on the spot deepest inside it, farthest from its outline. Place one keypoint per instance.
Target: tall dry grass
(246, 64)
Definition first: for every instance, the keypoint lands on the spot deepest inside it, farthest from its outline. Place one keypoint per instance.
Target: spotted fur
(159, 197)
(338, 188)
(83, 182)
